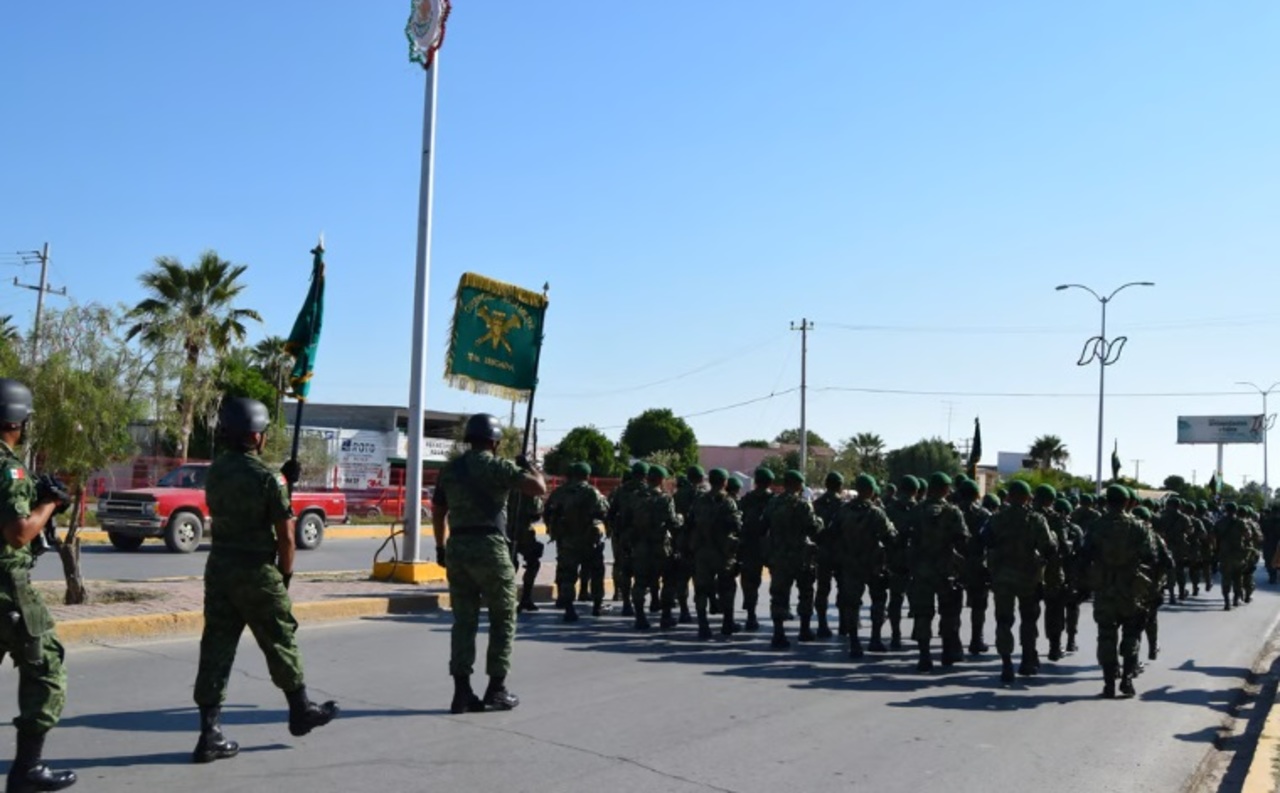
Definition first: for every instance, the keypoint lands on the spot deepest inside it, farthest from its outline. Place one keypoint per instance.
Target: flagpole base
(409, 572)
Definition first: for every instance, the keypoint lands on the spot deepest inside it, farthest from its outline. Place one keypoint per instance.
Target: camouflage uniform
(1057, 592)
(522, 512)
(30, 640)
(1234, 543)
(474, 488)
(936, 553)
(715, 525)
(901, 513)
(753, 506)
(573, 511)
(242, 585)
(1177, 531)
(1164, 569)
(791, 528)
(1120, 553)
(1018, 543)
(827, 507)
(653, 519)
(620, 538)
(862, 536)
(977, 578)
(682, 566)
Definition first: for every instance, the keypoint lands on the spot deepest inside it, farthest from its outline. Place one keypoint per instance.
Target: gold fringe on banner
(465, 383)
(511, 292)
(503, 290)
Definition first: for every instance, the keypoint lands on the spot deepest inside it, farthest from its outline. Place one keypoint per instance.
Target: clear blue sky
(690, 180)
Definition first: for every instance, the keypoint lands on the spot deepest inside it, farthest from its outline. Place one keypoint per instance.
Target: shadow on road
(188, 720)
(80, 764)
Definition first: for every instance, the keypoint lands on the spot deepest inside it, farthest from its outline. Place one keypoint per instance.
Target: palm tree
(863, 453)
(8, 331)
(275, 364)
(1049, 451)
(191, 311)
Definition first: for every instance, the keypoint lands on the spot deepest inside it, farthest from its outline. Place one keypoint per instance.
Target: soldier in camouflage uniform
(1162, 573)
(715, 525)
(791, 529)
(827, 507)
(573, 511)
(687, 491)
(246, 579)
(633, 486)
(653, 519)
(469, 521)
(27, 631)
(1177, 532)
(1120, 553)
(901, 513)
(1018, 543)
(1234, 539)
(753, 506)
(1072, 551)
(1055, 586)
(863, 536)
(936, 552)
(734, 488)
(977, 578)
(1085, 514)
(522, 512)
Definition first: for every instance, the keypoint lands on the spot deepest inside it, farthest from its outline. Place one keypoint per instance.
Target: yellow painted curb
(141, 627)
(409, 572)
(1261, 777)
(99, 537)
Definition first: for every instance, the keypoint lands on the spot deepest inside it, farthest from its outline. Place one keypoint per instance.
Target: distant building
(1010, 463)
(747, 460)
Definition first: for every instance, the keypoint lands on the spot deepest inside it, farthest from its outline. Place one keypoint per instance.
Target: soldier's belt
(474, 531)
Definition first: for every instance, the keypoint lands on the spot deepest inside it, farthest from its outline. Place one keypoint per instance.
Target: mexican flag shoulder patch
(283, 482)
(16, 474)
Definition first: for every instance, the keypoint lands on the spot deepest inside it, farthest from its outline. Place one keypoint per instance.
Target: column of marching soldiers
(934, 546)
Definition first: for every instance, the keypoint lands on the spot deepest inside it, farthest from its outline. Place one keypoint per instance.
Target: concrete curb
(155, 626)
(1261, 777)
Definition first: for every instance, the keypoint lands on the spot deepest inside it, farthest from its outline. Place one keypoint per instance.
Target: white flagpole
(421, 290)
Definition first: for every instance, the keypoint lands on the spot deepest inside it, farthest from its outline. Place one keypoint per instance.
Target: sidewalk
(339, 532)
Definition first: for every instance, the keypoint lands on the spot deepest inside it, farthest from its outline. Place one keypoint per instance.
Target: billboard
(1220, 429)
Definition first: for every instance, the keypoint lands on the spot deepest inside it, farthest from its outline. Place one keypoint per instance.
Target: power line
(1157, 326)
(707, 412)
(1021, 394)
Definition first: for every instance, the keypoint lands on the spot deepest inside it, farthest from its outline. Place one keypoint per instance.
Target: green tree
(1058, 480)
(1049, 452)
(275, 365)
(793, 437)
(776, 463)
(660, 430)
(754, 444)
(8, 331)
(923, 458)
(191, 312)
(584, 444)
(87, 393)
(1177, 484)
(862, 453)
(1252, 495)
(316, 455)
(235, 377)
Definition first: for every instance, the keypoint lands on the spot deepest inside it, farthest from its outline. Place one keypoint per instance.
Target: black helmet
(241, 416)
(482, 427)
(15, 402)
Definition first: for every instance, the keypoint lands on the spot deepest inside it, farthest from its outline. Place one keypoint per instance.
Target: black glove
(49, 489)
(523, 463)
(441, 559)
(292, 471)
(287, 578)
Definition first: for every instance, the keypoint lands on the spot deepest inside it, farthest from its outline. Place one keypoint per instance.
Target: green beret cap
(866, 482)
(657, 472)
(793, 476)
(1046, 493)
(835, 476)
(968, 488)
(1230, 507)
(908, 484)
(764, 475)
(1086, 499)
(639, 469)
(1019, 486)
(1142, 512)
(939, 480)
(695, 472)
(1063, 506)
(718, 475)
(989, 501)
(1117, 494)
(580, 469)
(734, 484)
(1173, 501)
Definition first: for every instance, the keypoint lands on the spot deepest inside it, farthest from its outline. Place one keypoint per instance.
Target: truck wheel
(184, 532)
(125, 542)
(373, 512)
(310, 531)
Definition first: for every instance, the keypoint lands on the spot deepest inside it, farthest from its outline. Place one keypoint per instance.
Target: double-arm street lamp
(1268, 421)
(1105, 352)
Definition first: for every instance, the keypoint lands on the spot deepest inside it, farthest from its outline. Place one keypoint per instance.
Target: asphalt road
(609, 709)
(153, 560)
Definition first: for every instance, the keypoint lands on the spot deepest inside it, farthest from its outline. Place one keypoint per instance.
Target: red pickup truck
(175, 510)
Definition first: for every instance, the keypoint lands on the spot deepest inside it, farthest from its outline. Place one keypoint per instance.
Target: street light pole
(1106, 353)
(1267, 422)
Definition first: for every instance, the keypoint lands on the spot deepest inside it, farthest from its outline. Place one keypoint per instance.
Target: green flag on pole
(305, 337)
(495, 338)
(975, 450)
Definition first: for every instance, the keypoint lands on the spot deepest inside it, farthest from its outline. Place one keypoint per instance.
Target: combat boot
(844, 628)
(668, 621)
(305, 715)
(1195, 589)
(1030, 665)
(212, 744)
(753, 624)
(713, 605)
(1071, 642)
(1153, 651)
(497, 697)
(877, 640)
(1006, 669)
(654, 605)
(1109, 681)
(925, 664)
(976, 645)
(526, 599)
(628, 610)
(570, 613)
(642, 621)
(952, 652)
(1055, 649)
(28, 774)
(464, 699)
(855, 647)
(728, 626)
(895, 636)
(806, 635)
(685, 617)
(1126, 680)
(597, 609)
(704, 627)
(780, 641)
(824, 630)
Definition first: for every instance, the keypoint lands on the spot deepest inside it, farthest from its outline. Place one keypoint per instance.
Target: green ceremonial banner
(495, 338)
(305, 337)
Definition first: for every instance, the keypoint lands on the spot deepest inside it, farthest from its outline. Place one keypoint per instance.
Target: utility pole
(536, 422)
(1137, 470)
(951, 409)
(804, 327)
(42, 288)
(1268, 421)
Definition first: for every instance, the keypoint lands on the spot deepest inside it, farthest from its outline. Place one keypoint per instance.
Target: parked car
(175, 510)
(384, 502)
